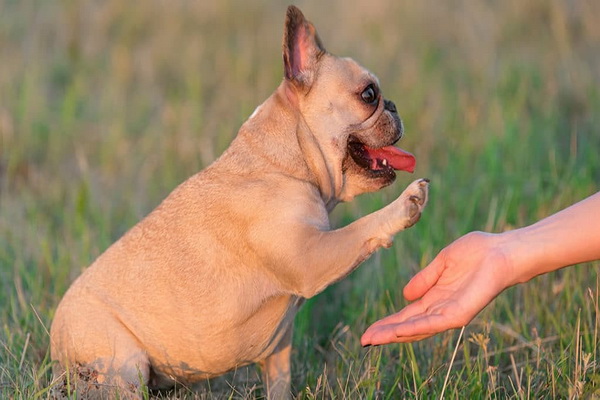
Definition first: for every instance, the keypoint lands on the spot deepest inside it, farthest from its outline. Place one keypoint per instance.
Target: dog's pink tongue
(396, 158)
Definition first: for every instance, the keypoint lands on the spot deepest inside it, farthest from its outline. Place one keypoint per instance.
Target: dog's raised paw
(416, 195)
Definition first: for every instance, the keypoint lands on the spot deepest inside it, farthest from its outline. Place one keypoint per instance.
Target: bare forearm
(568, 237)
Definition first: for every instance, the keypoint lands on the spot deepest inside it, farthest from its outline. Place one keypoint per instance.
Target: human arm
(472, 271)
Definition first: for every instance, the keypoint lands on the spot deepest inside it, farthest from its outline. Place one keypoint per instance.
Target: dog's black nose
(390, 106)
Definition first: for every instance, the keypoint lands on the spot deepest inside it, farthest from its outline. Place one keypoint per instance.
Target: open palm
(449, 292)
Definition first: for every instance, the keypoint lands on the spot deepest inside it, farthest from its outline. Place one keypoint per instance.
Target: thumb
(425, 279)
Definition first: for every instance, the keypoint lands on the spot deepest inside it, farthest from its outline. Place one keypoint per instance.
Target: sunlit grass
(106, 106)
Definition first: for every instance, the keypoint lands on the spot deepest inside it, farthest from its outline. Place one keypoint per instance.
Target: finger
(414, 329)
(407, 339)
(379, 335)
(424, 279)
(368, 339)
(416, 308)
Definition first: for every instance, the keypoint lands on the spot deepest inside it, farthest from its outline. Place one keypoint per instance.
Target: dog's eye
(369, 95)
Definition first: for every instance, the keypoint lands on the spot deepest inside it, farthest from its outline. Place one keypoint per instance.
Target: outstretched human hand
(469, 273)
(449, 292)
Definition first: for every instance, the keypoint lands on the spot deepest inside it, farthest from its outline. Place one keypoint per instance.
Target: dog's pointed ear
(302, 48)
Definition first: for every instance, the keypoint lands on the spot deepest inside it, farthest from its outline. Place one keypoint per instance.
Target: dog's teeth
(384, 162)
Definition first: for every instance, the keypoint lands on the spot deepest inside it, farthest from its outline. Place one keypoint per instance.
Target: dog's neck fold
(291, 148)
(328, 180)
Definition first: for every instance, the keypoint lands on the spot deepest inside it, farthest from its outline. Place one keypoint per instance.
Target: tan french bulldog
(212, 278)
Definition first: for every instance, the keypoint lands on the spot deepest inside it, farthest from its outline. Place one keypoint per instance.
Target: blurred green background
(105, 106)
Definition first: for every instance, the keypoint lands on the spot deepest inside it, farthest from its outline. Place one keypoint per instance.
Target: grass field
(106, 106)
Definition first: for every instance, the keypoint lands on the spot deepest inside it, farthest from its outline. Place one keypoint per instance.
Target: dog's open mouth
(381, 161)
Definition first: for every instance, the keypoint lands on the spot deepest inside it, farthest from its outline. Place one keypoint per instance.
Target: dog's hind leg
(98, 359)
(96, 381)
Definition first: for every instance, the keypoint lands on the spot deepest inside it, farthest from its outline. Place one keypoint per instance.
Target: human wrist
(527, 255)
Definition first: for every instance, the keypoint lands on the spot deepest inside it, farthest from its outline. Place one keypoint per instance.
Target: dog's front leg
(276, 368)
(320, 258)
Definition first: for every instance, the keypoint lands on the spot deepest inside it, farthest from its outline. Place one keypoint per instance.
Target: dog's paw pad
(416, 196)
(416, 200)
(418, 190)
